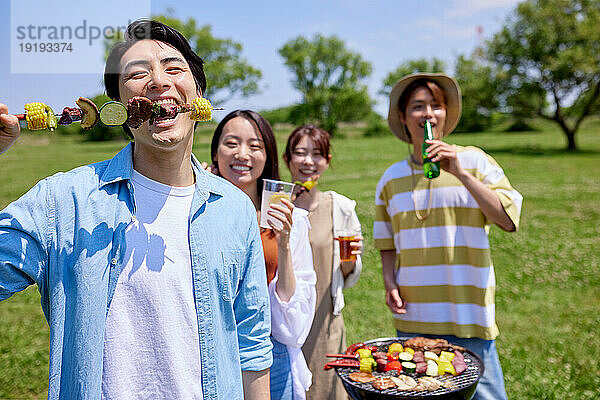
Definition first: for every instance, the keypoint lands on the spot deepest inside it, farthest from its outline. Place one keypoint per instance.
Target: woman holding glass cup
(244, 151)
(333, 220)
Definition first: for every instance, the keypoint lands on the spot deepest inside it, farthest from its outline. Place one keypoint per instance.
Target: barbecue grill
(462, 386)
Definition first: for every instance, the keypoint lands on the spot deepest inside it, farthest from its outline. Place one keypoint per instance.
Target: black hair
(436, 91)
(271, 170)
(142, 29)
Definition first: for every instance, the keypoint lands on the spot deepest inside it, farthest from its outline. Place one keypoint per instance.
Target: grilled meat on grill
(427, 383)
(382, 383)
(434, 345)
(362, 377)
(404, 382)
(458, 362)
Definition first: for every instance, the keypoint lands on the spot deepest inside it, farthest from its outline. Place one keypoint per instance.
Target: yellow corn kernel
(202, 109)
(36, 115)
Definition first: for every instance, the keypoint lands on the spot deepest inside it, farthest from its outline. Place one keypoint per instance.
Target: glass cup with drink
(273, 192)
(345, 239)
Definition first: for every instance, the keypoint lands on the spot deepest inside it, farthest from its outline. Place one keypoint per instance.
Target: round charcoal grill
(462, 386)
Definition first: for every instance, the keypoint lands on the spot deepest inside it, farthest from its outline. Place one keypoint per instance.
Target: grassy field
(548, 273)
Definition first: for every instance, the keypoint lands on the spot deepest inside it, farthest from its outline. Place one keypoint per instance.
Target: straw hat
(453, 102)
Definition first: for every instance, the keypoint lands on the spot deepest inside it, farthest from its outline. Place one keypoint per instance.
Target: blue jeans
(280, 373)
(491, 384)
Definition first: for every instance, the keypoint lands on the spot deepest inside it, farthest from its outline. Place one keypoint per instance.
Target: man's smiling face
(158, 71)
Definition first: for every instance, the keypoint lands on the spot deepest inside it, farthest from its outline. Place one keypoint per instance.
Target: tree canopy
(329, 76)
(227, 72)
(549, 55)
(479, 88)
(410, 67)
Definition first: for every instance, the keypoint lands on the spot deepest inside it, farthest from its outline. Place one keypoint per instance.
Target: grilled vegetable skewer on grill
(355, 356)
(342, 363)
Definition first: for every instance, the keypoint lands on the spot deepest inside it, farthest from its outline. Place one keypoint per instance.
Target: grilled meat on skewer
(142, 109)
(70, 115)
(40, 116)
(342, 363)
(139, 109)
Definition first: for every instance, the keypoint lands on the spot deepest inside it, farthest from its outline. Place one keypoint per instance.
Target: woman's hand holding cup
(282, 212)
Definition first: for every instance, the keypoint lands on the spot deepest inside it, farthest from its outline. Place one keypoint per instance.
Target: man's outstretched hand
(9, 128)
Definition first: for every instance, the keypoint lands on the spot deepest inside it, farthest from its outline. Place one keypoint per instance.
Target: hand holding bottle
(445, 155)
(431, 169)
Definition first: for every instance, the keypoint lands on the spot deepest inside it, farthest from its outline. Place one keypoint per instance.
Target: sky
(385, 33)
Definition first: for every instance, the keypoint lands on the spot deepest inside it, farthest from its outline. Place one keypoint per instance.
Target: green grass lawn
(548, 273)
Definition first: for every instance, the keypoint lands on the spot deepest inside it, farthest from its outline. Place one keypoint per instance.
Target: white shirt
(291, 321)
(151, 345)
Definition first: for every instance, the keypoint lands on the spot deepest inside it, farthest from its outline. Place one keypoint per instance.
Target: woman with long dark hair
(244, 151)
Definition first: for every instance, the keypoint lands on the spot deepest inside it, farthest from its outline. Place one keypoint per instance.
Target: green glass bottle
(430, 169)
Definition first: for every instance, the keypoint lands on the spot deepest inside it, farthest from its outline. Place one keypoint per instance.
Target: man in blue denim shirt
(72, 235)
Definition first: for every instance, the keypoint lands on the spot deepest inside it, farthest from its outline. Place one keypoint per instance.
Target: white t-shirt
(151, 344)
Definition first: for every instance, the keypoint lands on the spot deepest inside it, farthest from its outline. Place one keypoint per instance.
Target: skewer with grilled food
(140, 109)
(39, 115)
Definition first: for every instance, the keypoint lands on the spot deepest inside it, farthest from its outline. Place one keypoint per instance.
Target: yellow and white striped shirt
(444, 267)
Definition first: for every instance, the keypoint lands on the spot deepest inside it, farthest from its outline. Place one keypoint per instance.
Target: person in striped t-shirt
(433, 233)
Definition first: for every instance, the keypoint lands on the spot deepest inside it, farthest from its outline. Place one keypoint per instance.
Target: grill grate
(465, 380)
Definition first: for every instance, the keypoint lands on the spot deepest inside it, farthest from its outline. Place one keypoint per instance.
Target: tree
(410, 67)
(329, 76)
(550, 53)
(227, 72)
(478, 86)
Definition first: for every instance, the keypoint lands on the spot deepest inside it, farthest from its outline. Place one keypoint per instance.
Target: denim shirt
(67, 235)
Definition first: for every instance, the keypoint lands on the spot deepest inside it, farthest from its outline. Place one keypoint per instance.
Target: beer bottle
(430, 169)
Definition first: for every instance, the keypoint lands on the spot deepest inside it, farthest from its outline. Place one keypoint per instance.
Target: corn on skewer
(202, 109)
(25, 125)
(39, 116)
(140, 109)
